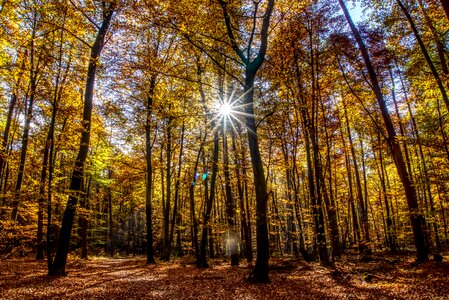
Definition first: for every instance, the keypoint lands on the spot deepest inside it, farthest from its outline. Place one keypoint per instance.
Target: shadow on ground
(105, 278)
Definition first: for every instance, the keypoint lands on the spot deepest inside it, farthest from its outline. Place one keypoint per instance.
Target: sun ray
(228, 111)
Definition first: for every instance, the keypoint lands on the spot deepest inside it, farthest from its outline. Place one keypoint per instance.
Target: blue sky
(356, 11)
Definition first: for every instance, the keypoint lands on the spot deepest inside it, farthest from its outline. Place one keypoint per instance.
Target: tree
(59, 263)
(416, 216)
(252, 65)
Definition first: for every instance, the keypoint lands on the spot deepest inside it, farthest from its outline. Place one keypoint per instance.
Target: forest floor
(385, 277)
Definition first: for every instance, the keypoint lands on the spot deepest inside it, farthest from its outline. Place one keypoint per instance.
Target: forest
(261, 136)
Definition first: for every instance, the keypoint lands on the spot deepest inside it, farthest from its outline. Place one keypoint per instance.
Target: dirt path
(105, 278)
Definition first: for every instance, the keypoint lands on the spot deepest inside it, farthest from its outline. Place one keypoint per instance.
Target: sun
(229, 112)
(225, 109)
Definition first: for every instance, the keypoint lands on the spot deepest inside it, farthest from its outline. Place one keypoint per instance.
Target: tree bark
(233, 240)
(166, 220)
(27, 125)
(426, 53)
(445, 4)
(363, 245)
(260, 271)
(210, 201)
(59, 264)
(416, 217)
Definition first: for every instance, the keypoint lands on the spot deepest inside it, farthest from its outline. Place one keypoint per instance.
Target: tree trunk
(416, 217)
(12, 105)
(209, 202)
(59, 264)
(425, 52)
(192, 211)
(176, 196)
(363, 245)
(445, 4)
(260, 270)
(28, 119)
(330, 206)
(59, 85)
(246, 247)
(355, 221)
(233, 240)
(166, 220)
(83, 218)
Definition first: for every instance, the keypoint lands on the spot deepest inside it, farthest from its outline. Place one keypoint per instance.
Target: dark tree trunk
(83, 221)
(176, 196)
(111, 244)
(28, 119)
(425, 52)
(12, 105)
(193, 218)
(355, 221)
(331, 206)
(416, 216)
(59, 85)
(445, 4)
(246, 247)
(363, 245)
(233, 240)
(391, 238)
(59, 264)
(209, 202)
(166, 221)
(260, 270)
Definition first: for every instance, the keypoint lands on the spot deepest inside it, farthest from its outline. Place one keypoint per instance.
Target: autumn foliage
(259, 133)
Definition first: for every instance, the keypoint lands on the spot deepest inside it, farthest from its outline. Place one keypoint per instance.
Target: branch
(85, 15)
(251, 37)
(227, 18)
(212, 58)
(360, 100)
(264, 35)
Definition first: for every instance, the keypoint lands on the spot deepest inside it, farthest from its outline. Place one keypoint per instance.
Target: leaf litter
(384, 277)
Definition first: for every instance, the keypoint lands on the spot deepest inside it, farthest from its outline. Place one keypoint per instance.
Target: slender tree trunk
(28, 118)
(83, 221)
(176, 196)
(149, 175)
(59, 85)
(363, 245)
(445, 4)
(210, 201)
(59, 264)
(355, 221)
(416, 217)
(425, 52)
(260, 270)
(391, 238)
(230, 202)
(331, 206)
(166, 220)
(193, 218)
(110, 218)
(11, 108)
(246, 247)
